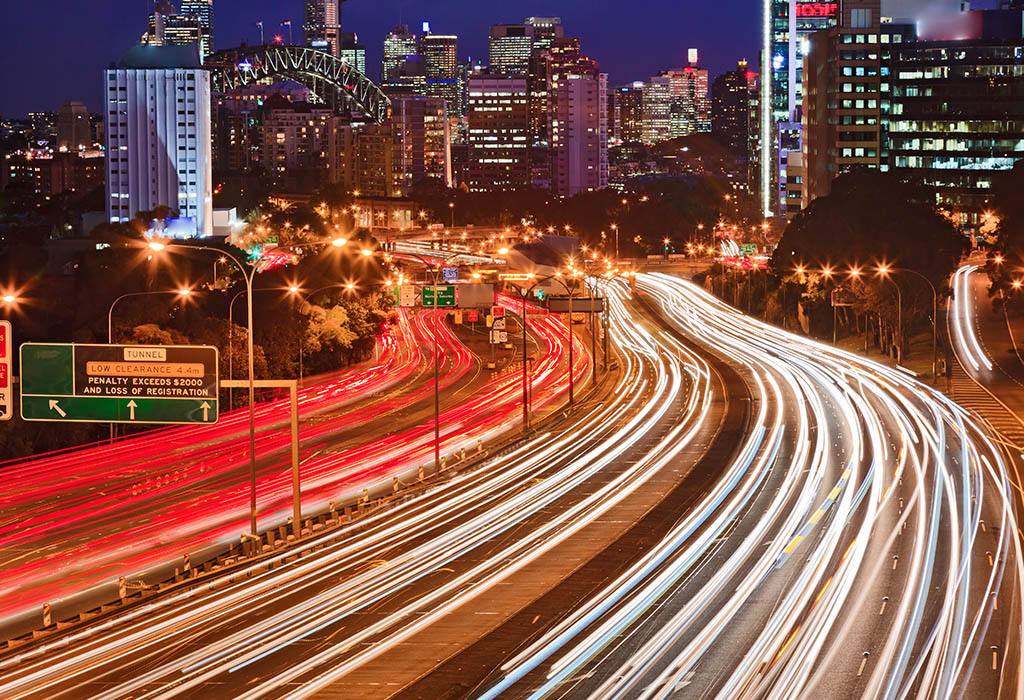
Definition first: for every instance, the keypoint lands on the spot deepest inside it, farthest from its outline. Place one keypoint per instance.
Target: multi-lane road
(736, 512)
(80, 520)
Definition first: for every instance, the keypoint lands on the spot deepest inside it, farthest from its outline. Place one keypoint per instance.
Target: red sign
(817, 9)
(4, 376)
(472, 316)
(3, 341)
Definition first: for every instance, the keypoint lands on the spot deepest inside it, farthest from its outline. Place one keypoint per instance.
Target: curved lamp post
(110, 321)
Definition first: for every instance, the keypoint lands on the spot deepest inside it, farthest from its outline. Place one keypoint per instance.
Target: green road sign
(748, 249)
(445, 296)
(168, 384)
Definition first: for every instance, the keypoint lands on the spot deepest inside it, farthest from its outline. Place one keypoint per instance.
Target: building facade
(691, 106)
(498, 139)
(440, 54)
(158, 140)
(509, 49)
(398, 46)
(957, 111)
(74, 132)
(630, 106)
(424, 139)
(730, 108)
(321, 25)
(578, 117)
(657, 110)
(352, 51)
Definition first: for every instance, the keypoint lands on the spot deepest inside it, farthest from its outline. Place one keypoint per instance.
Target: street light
(883, 271)
(935, 315)
(305, 298)
(248, 277)
(435, 269)
(9, 298)
(110, 318)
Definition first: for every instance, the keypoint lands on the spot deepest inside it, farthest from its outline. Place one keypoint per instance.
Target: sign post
(167, 384)
(6, 372)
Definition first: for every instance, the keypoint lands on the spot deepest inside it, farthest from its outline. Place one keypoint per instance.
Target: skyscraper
(630, 99)
(352, 51)
(509, 49)
(322, 25)
(545, 30)
(441, 65)
(423, 139)
(192, 25)
(691, 110)
(73, 131)
(656, 117)
(158, 135)
(787, 24)
(498, 133)
(578, 118)
(398, 45)
(730, 108)
(202, 12)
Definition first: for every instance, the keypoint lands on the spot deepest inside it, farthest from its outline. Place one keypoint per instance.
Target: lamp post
(110, 320)
(884, 271)
(524, 293)
(304, 298)
(935, 315)
(434, 268)
(615, 227)
(248, 277)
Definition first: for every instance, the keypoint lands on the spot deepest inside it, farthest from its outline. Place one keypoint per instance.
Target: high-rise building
(351, 50)
(787, 24)
(192, 25)
(691, 108)
(322, 25)
(730, 108)
(202, 12)
(299, 144)
(578, 118)
(956, 118)
(398, 46)
(158, 135)
(843, 100)
(509, 49)
(440, 54)
(424, 140)
(630, 101)
(73, 129)
(498, 157)
(545, 30)
(656, 119)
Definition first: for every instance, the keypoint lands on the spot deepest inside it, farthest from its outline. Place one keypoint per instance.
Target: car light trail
(854, 481)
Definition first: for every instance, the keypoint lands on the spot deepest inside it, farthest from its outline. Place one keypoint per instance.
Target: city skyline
(51, 77)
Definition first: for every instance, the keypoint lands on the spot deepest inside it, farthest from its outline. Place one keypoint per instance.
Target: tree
(1009, 239)
(870, 219)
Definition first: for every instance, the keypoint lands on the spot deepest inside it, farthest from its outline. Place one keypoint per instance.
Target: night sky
(56, 50)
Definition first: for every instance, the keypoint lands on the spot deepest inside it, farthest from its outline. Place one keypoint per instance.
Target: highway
(79, 520)
(988, 369)
(402, 569)
(863, 547)
(739, 512)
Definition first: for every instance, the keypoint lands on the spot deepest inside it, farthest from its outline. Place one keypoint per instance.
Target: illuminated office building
(158, 139)
(322, 25)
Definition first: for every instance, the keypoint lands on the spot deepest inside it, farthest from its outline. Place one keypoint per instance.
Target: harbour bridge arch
(331, 79)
